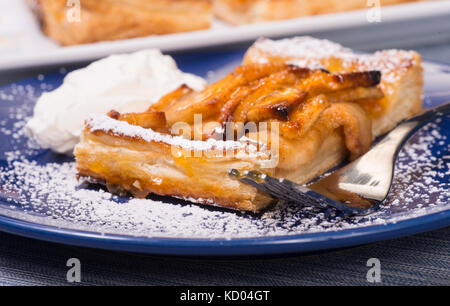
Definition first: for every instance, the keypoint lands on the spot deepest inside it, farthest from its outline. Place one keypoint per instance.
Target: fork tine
(262, 187)
(294, 192)
(255, 179)
(269, 183)
(283, 189)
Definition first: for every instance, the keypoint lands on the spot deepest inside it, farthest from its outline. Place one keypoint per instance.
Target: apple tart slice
(304, 121)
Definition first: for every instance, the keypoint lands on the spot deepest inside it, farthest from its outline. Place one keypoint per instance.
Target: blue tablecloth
(423, 259)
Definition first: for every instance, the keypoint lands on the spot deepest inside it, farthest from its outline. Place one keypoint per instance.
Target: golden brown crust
(249, 11)
(119, 19)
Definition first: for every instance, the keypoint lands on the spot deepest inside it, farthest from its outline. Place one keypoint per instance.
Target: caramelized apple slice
(304, 117)
(277, 105)
(171, 98)
(354, 94)
(235, 100)
(210, 101)
(266, 86)
(150, 119)
(322, 82)
(356, 125)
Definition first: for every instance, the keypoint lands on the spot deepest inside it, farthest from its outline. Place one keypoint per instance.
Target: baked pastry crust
(249, 11)
(325, 108)
(119, 19)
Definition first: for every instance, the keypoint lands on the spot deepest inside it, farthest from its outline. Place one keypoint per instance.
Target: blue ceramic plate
(40, 197)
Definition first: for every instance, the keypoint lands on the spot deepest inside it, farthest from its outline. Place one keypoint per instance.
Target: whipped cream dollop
(125, 83)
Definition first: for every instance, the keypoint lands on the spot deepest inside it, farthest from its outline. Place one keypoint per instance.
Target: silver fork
(358, 188)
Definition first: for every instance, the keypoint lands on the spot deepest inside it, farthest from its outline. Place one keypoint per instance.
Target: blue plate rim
(227, 247)
(269, 245)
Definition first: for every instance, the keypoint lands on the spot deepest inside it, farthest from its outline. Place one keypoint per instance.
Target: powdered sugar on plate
(40, 186)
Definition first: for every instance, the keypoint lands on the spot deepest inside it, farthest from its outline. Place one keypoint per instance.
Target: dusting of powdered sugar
(39, 186)
(309, 52)
(306, 46)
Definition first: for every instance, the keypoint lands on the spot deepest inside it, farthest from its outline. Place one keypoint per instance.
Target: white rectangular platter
(22, 44)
